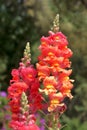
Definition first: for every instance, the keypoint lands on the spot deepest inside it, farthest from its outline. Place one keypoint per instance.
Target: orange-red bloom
(54, 69)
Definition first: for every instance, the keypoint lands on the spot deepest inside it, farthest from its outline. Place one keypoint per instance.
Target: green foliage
(17, 27)
(74, 124)
(4, 113)
(42, 12)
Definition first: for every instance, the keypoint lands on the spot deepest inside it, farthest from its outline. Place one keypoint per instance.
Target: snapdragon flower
(23, 94)
(54, 70)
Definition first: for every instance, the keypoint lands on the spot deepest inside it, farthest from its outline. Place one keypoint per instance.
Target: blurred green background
(27, 20)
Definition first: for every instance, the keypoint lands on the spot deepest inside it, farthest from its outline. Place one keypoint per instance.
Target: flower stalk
(27, 55)
(55, 27)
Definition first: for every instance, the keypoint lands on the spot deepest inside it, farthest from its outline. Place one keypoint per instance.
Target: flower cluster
(54, 69)
(24, 80)
(43, 88)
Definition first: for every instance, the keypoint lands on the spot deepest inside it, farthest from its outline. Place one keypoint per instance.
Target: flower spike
(27, 54)
(55, 27)
(24, 103)
(27, 51)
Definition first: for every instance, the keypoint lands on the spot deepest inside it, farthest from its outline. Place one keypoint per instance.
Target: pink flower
(16, 125)
(29, 127)
(28, 74)
(24, 80)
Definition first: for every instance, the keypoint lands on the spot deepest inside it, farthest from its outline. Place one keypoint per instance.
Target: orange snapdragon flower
(54, 69)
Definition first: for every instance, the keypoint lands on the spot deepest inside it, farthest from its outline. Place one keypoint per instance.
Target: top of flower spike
(27, 51)
(55, 27)
(27, 55)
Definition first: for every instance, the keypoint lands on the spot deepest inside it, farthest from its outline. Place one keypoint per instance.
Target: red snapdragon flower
(28, 74)
(29, 127)
(16, 89)
(17, 125)
(24, 79)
